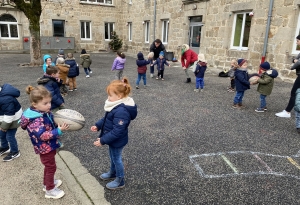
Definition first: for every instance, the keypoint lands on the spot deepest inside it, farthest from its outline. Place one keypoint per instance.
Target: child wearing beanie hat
(161, 62)
(241, 83)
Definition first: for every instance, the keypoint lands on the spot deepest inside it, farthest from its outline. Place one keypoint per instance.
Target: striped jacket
(10, 108)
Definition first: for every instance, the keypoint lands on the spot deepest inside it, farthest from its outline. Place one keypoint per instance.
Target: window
(8, 27)
(85, 30)
(241, 31)
(130, 31)
(165, 29)
(147, 31)
(296, 48)
(98, 1)
(109, 28)
(58, 28)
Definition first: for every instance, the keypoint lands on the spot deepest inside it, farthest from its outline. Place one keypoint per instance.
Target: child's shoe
(230, 90)
(87, 76)
(162, 79)
(241, 105)
(118, 183)
(70, 90)
(235, 106)
(265, 108)
(283, 114)
(151, 75)
(259, 110)
(91, 71)
(57, 183)
(4, 150)
(107, 176)
(75, 88)
(196, 90)
(157, 78)
(11, 156)
(55, 193)
(137, 87)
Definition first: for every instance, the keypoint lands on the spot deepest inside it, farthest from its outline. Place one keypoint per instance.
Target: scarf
(111, 105)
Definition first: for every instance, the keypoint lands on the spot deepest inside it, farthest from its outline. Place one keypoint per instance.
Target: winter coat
(241, 80)
(52, 86)
(188, 58)
(10, 108)
(161, 63)
(142, 63)
(296, 65)
(200, 70)
(74, 69)
(63, 72)
(114, 126)
(118, 64)
(266, 82)
(85, 60)
(45, 65)
(42, 130)
(297, 101)
(157, 50)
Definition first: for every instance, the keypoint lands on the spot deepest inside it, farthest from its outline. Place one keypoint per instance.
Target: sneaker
(156, 78)
(265, 109)
(162, 79)
(259, 110)
(107, 176)
(196, 90)
(55, 193)
(70, 90)
(118, 183)
(57, 183)
(91, 71)
(11, 156)
(4, 150)
(137, 87)
(75, 88)
(151, 75)
(87, 76)
(283, 114)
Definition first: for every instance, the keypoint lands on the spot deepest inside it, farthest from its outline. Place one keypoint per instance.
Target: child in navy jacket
(199, 72)
(142, 69)
(160, 62)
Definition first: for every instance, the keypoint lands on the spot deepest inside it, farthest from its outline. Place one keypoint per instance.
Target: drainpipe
(263, 58)
(154, 23)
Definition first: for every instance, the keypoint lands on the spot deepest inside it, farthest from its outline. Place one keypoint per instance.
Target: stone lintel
(242, 6)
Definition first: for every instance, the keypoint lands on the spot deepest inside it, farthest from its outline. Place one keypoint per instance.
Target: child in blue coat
(142, 69)
(199, 72)
(161, 62)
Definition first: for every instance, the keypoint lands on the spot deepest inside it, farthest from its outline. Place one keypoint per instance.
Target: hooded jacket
(63, 72)
(10, 108)
(118, 64)
(52, 86)
(188, 56)
(241, 80)
(157, 50)
(200, 69)
(266, 82)
(114, 125)
(85, 60)
(141, 63)
(74, 70)
(161, 63)
(45, 59)
(42, 130)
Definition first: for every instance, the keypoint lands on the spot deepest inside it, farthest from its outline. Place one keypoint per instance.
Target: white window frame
(130, 1)
(165, 38)
(242, 32)
(85, 30)
(98, 2)
(8, 25)
(147, 31)
(109, 31)
(294, 51)
(129, 31)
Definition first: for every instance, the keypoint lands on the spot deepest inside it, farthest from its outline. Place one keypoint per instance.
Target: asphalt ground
(184, 147)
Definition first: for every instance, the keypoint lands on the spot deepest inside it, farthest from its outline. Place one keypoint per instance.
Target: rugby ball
(254, 79)
(74, 119)
(150, 55)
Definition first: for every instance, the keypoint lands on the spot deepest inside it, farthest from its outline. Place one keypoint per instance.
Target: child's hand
(2, 130)
(63, 127)
(151, 65)
(94, 129)
(97, 143)
(183, 68)
(169, 65)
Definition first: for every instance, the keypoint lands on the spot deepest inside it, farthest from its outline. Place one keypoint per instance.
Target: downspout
(263, 58)
(154, 23)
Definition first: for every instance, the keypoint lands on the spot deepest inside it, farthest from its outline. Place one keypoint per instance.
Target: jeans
(48, 160)
(8, 139)
(116, 164)
(87, 70)
(293, 95)
(263, 102)
(139, 78)
(297, 114)
(199, 83)
(238, 98)
(119, 74)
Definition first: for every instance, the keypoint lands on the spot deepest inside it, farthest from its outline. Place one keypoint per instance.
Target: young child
(231, 72)
(142, 69)
(73, 71)
(120, 110)
(10, 113)
(52, 83)
(61, 54)
(63, 73)
(44, 135)
(199, 72)
(297, 110)
(241, 82)
(265, 85)
(160, 62)
(86, 61)
(47, 62)
(119, 64)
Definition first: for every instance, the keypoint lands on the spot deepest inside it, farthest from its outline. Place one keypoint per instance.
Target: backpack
(223, 74)
(272, 73)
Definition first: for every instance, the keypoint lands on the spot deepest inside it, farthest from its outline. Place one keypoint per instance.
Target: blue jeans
(297, 119)
(238, 97)
(9, 137)
(87, 70)
(116, 164)
(199, 83)
(139, 79)
(263, 102)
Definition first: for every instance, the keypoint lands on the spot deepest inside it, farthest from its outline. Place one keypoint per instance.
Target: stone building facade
(221, 29)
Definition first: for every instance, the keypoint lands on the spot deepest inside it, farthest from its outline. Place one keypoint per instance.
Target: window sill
(9, 38)
(240, 49)
(86, 39)
(95, 3)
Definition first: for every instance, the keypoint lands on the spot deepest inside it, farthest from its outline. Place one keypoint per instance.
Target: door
(195, 37)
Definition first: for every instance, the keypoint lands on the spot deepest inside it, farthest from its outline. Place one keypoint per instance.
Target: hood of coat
(127, 102)
(7, 89)
(29, 115)
(121, 60)
(85, 56)
(272, 73)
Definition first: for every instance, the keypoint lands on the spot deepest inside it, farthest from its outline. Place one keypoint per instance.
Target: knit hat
(83, 51)
(298, 37)
(140, 56)
(241, 61)
(265, 66)
(161, 53)
(61, 52)
(60, 60)
(201, 58)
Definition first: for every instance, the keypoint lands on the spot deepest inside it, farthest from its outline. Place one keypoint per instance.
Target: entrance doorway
(195, 33)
